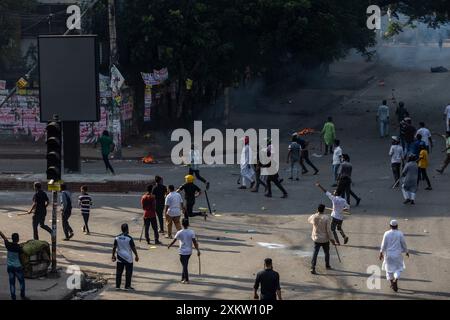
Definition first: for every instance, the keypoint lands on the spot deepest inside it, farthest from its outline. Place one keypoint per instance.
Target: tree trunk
(226, 111)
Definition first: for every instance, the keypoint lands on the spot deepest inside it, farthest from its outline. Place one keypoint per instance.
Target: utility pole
(116, 125)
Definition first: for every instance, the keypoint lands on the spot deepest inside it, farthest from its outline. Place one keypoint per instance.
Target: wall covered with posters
(20, 115)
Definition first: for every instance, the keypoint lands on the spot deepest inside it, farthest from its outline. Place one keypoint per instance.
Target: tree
(214, 42)
(11, 11)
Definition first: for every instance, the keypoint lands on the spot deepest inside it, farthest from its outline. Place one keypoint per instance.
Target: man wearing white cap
(397, 155)
(247, 172)
(392, 248)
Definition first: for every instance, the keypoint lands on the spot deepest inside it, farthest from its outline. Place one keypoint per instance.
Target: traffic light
(54, 150)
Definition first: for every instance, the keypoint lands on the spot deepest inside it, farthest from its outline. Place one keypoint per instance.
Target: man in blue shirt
(14, 266)
(416, 145)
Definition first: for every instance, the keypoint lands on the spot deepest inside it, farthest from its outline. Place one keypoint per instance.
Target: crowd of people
(164, 207)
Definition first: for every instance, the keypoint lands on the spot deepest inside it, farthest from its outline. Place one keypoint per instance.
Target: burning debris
(306, 131)
(148, 160)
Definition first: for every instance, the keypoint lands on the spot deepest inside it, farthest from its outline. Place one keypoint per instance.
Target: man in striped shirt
(85, 203)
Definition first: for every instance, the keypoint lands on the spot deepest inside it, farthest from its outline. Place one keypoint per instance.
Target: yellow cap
(189, 178)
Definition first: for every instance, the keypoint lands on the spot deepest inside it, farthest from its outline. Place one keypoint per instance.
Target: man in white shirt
(447, 117)
(194, 162)
(426, 136)
(172, 208)
(392, 248)
(383, 119)
(186, 238)
(247, 172)
(397, 155)
(337, 154)
(339, 205)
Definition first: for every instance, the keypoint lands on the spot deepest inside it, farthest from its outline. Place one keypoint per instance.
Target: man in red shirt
(148, 203)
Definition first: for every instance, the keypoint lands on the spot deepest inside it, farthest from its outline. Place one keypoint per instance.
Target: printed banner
(149, 79)
(117, 80)
(147, 103)
(161, 75)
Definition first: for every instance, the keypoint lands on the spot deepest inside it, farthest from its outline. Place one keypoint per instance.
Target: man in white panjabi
(247, 172)
(392, 248)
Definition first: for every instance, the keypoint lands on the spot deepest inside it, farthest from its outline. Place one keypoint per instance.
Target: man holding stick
(186, 238)
(339, 205)
(40, 203)
(321, 235)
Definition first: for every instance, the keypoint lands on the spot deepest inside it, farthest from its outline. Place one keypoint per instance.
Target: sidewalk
(36, 150)
(96, 182)
(36, 289)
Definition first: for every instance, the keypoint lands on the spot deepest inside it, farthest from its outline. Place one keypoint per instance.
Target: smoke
(415, 48)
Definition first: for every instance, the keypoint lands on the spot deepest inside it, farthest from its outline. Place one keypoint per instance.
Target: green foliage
(10, 13)
(212, 39)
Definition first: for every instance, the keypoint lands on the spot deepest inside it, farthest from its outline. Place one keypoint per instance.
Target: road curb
(104, 186)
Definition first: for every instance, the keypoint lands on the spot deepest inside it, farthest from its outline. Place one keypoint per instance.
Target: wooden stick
(345, 211)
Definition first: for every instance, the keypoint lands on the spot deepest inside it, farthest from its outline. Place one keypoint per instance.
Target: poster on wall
(127, 111)
(147, 103)
(2, 84)
(20, 116)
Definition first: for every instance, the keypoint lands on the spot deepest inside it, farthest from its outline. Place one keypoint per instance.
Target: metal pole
(112, 60)
(54, 224)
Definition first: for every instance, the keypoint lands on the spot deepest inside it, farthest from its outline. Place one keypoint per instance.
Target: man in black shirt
(269, 281)
(159, 191)
(40, 203)
(304, 156)
(345, 179)
(191, 191)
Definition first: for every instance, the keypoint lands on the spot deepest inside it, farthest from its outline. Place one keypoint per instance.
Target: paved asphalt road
(232, 254)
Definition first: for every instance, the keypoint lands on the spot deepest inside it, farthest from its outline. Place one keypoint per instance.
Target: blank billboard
(68, 76)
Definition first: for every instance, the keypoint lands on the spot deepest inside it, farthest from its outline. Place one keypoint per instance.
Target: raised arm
(318, 185)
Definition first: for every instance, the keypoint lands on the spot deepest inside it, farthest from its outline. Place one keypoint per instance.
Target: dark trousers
(107, 163)
(337, 224)
(184, 259)
(396, 169)
(304, 157)
(345, 186)
(39, 220)
(423, 176)
(128, 273)
(154, 223)
(259, 180)
(86, 221)
(13, 274)
(65, 223)
(326, 250)
(446, 162)
(197, 174)
(190, 211)
(159, 214)
(328, 147)
(275, 179)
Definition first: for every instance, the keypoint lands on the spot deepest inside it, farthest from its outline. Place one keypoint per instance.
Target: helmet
(189, 178)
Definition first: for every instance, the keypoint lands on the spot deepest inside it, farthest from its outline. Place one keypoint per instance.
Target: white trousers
(408, 195)
(246, 182)
(393, 275)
